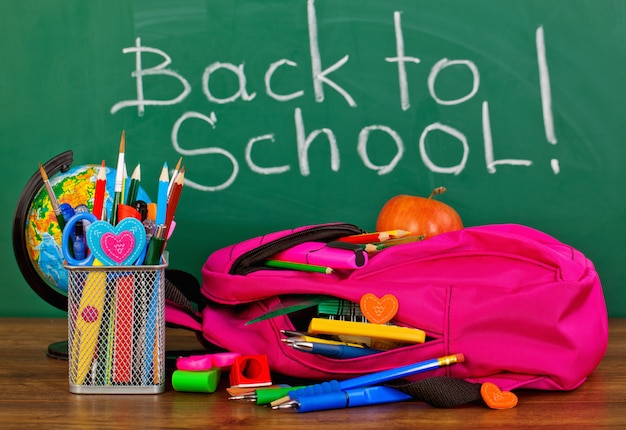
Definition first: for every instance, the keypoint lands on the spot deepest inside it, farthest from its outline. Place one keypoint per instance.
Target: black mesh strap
(441, 391)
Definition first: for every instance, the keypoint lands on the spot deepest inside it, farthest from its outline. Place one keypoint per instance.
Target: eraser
(225, 360)
(194, 363)
(196, 382)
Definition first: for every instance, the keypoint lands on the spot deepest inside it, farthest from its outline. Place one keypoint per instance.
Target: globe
(76, 186)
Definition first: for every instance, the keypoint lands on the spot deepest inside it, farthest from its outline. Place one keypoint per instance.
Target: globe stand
(58, 350)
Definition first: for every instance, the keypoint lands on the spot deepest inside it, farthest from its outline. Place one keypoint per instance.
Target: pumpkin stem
(438, 190)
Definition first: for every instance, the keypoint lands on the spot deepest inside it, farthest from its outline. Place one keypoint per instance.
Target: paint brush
(53, 198)
(119, 180)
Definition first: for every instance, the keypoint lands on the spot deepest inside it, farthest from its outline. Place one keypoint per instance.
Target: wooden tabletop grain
(34, 393)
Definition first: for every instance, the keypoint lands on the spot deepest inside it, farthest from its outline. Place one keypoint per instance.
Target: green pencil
(299, 266)
(133, 189)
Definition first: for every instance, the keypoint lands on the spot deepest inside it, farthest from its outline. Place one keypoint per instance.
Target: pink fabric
(525, 309)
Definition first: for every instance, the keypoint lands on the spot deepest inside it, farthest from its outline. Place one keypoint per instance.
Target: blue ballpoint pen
(345, 399)
(333, 351)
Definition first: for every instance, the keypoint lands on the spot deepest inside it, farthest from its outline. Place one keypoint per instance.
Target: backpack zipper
(249, 261)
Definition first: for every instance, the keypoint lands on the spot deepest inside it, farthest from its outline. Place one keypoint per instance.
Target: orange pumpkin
(420, 215)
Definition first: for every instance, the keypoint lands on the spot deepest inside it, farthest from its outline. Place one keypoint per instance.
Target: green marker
(155, 247)
(264, 396)
(299, 266)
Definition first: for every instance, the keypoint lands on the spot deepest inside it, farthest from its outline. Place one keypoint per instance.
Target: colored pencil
(174, 174)
(162, 195)
(124, 178)
(123, 344)
(133, 189)
(400, 241)
(53, 198)
(119, 180)
(152, 335)
(374, 247)
(380, 236)
(173, 199)
(98, 198)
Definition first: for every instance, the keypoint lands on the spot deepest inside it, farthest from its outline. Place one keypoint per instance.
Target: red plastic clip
(250, 371)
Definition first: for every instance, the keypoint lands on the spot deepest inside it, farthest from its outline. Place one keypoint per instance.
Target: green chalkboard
(300, 112)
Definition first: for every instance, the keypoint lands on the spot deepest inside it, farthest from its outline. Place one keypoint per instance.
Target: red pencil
(123, 345)
(380, 236)
(98, 198)
(172, 202)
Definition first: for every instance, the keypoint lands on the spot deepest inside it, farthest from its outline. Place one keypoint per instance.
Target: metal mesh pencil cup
(116, 329)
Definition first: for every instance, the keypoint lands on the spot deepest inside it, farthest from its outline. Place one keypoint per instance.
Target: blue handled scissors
(66, 241)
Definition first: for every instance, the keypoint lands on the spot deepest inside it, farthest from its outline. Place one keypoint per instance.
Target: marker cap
(152, 210)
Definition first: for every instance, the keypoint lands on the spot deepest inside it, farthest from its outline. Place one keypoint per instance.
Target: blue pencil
(152, 335)
(162, 196)
(372, 378)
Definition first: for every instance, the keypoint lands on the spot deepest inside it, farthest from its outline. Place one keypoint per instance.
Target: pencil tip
(164, 174)
(180, 160)
(137, 172)
(123, 142)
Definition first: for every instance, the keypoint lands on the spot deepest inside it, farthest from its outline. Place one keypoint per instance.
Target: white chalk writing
(321, 83)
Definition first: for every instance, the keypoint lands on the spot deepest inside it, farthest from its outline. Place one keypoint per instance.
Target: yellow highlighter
(88, 320)
(373, 331)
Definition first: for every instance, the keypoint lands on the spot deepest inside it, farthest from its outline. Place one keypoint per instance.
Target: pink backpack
(526, 310)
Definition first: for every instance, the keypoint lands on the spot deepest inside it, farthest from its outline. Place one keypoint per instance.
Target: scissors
(66, 241)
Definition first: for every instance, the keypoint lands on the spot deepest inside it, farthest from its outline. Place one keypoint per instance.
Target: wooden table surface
(34, 392)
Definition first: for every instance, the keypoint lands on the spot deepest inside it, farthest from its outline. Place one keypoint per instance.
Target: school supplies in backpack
(525, 309)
